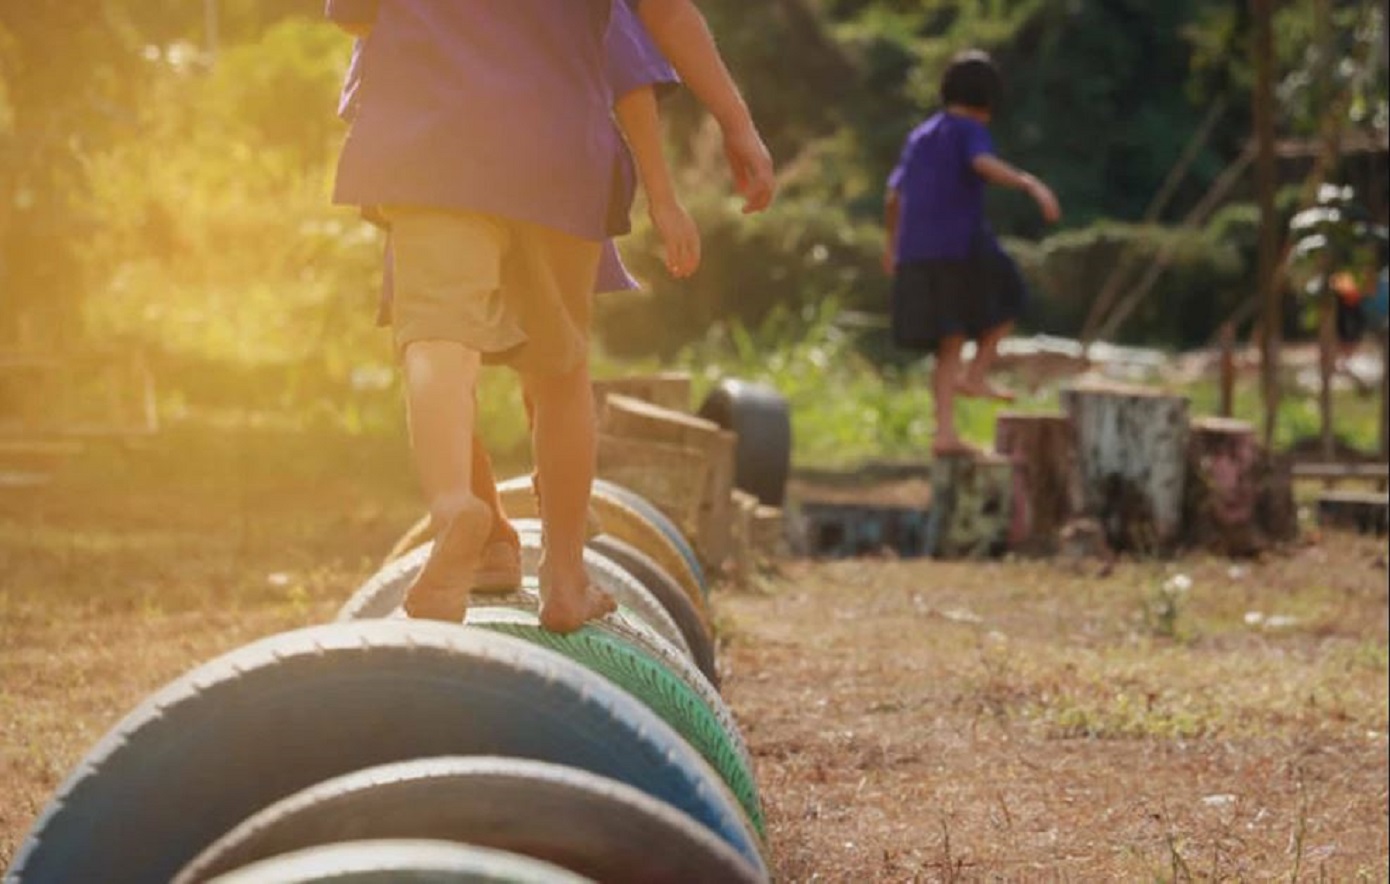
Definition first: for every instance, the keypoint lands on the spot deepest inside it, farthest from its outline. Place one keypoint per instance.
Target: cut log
(1046, 480)
(1363, 512)
(628, 418)
(1222, 486)
(744, 553)
(667, 390)
(769, 532)
(971, 508)
(1132, 453)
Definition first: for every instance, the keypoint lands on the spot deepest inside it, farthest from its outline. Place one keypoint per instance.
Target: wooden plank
(629, 418)
(1378, 471)
(667, 389)
(1363, 512)
(672, 477)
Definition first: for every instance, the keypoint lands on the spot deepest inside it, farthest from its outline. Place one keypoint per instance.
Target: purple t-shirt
(497, 106)
(943, 197)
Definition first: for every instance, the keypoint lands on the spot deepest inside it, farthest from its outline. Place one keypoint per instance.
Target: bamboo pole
(1265, 171)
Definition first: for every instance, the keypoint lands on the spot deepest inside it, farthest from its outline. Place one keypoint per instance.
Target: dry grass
(910, 720)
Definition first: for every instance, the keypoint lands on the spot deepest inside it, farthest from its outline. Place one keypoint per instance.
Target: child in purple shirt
(482, 132)
(951, 279)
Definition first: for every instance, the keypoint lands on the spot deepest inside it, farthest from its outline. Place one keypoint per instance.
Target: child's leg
(440, 379)
(500, 565)
(945, 381)
(446, 269)
(975, 379)
(565, 442)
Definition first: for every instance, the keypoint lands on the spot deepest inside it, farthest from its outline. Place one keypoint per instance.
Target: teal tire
(698, 715)
(664, 587)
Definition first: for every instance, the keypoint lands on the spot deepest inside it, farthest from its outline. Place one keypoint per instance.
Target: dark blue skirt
(941, 298)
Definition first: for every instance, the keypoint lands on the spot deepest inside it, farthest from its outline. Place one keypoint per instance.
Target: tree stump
(971, 509)
(1046, 480)
(632, 419)
(1132, 453)
(1222, 486)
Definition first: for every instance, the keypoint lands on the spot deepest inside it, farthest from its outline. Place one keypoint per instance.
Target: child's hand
(1047, 202)
(750, 162)
(679, 236)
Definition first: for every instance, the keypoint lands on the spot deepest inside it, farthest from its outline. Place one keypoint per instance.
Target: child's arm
(996, 171)
(892, 216)
(637, 116)
(683, 37)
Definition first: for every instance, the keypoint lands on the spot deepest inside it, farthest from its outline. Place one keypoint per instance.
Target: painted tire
(663, 523)
(664, 587)
(279, 715)
(391, 862)
(761, 418)
(383, 592)
(583, 823)
(624, 586)
(620, 518)
(698, 715)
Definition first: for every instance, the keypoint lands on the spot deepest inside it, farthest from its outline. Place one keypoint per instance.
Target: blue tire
(583, 823)
(293, 710)
(394, 862)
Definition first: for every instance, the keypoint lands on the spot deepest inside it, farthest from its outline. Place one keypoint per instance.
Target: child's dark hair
(972, 80)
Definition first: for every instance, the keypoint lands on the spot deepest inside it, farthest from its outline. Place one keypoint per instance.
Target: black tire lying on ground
(664, 587)
(583, 823)
(400, 862)
(665, 682)
(761, 417)
(293, 710)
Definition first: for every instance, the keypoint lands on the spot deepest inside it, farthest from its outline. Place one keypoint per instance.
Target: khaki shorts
(518, 293)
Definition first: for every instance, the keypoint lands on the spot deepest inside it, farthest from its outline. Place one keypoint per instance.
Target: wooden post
(1132, 452)
(1265, 184)
(1046, 481)
(971, 508)
(1327, 305)
(1384, 393)
(1228, 369)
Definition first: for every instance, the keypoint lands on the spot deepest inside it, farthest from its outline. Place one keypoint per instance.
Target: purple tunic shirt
(496, 106)
(634, 63)
(943, 197)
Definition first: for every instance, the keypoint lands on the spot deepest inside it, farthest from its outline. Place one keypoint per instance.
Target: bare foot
(440, 590)
(570, 602)
(499, 566)
(976, 388)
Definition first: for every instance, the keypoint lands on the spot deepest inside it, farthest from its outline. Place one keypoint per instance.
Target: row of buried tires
(378, 748)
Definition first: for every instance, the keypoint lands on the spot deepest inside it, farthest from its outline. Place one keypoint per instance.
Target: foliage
(164, 181)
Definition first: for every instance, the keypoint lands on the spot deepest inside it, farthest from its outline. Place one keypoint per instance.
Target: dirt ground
(909, 720)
